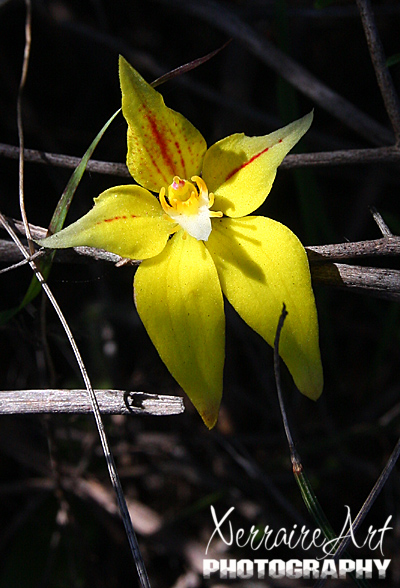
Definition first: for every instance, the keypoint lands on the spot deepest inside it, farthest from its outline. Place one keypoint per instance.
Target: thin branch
(25, 64)
(380, 282)
(308, 495)
(77, 402)
(36, 231)
(112, 470)
(32, 155)
(182, 69)
(366, 507)
(10, 253)
(385, 246)
(223, 18)
(321, 158)
(342, 157)
(277, 371)
(382, 226)
(378, 58)
(6, 247)
(383, 283)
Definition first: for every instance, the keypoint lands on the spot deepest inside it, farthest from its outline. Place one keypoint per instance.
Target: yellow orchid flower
(196, 243)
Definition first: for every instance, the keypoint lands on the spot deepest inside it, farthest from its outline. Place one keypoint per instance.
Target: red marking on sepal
(114, 218)
(178, 148)
(161, 141)
(245, 164)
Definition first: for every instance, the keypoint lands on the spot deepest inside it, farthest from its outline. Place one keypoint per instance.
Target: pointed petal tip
(307, 120)
(52, 242)
(315, 393)
(179, 300)
(312, 394)
(208, 406)
(122, 62)
(162, 143)
(240, 170)
(210, 416)
(312, 385)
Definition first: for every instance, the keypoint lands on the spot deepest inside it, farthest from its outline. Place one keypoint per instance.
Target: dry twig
(223, 18)
(383, 76)
(380, 282)
(321, 158)
(77, 402)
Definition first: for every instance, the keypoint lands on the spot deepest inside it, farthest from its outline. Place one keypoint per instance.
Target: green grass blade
(393, 60)
(64, 203)
(321, 520)
(307, 493)
(57, 222)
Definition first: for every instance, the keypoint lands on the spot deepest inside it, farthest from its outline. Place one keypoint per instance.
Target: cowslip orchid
(186, 219)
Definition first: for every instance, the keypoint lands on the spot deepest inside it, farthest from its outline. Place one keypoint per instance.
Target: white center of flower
(189, 206)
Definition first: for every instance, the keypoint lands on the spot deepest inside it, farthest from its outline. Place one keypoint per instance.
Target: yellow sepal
(179, 299)
(126, 220)
(261, 265)
(162, 143)
(240, 170)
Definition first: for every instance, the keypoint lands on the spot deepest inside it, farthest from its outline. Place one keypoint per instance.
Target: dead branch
(322, 158)
(385, 246)
(225, 19)
(380, 282)
(383, 76)
(78, 402)
(32, 155)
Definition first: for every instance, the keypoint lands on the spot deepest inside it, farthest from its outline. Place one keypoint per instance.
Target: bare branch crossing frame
(78, 402)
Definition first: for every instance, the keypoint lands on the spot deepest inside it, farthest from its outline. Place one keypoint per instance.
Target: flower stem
(307, 492)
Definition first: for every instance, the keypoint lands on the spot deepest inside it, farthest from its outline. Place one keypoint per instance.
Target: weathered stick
(222, 17)
(321, 158)
(380, 282)
(78, 402)
(378, 58)
(385, 246)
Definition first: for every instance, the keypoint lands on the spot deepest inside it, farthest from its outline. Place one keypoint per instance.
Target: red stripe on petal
(115, 218)
(161, 142)
(178, 148)
(246, 163)
(134, 139)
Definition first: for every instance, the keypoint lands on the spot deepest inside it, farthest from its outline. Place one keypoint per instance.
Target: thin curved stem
(225, 19)
(113, 473)
(383, 76)
(24, 73)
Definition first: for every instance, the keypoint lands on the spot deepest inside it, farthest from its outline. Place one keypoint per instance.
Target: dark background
(58, 521)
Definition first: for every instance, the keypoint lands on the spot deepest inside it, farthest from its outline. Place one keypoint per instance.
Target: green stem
(307, 493)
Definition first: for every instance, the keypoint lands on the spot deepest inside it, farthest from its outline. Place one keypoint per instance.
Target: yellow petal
(161, 142)
(240, 170)
(261, 265)
(179, 299)
(126, 220)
